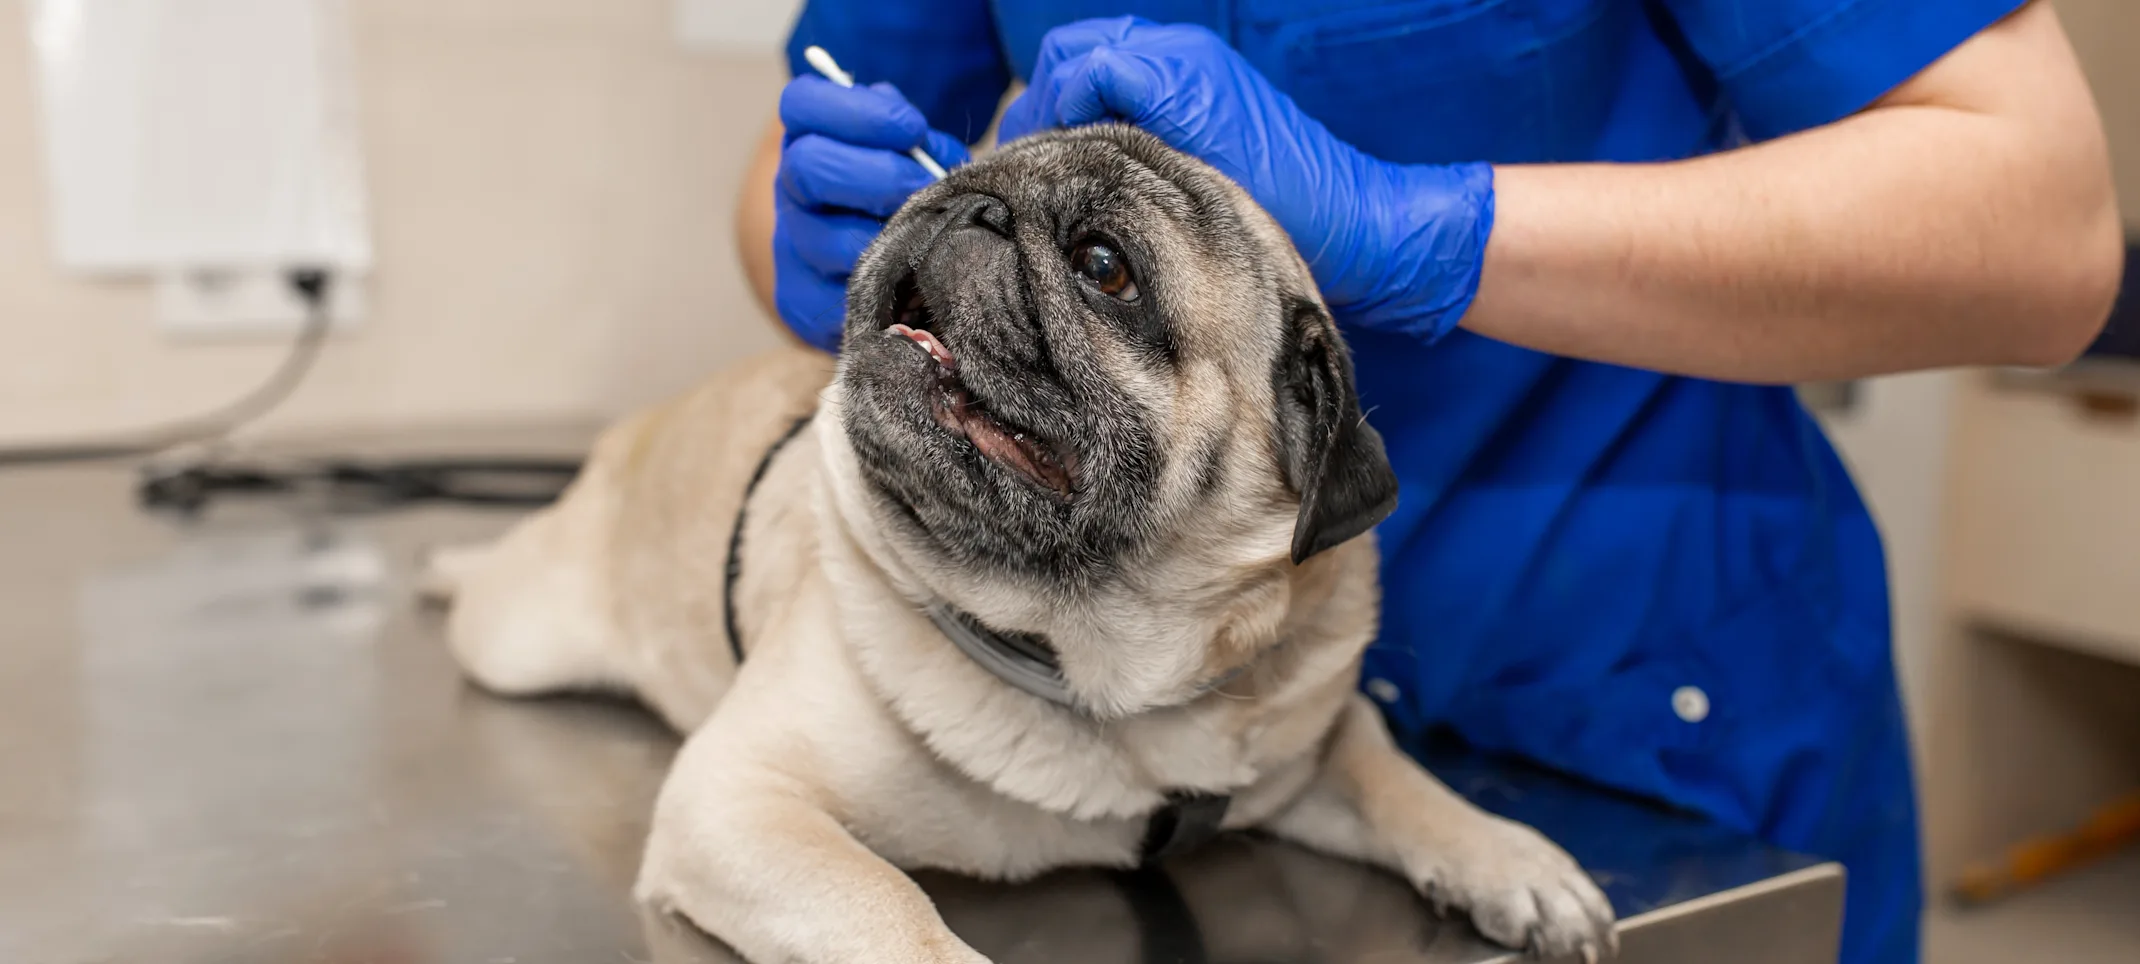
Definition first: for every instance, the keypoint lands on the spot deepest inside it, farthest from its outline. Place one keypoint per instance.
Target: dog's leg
(528, 613)
(1372, 803)
(441, 570)
(753, 860)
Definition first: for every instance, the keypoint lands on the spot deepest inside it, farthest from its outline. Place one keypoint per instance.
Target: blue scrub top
(1664, 584)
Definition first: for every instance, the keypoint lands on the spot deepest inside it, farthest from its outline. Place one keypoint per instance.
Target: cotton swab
(824, 64)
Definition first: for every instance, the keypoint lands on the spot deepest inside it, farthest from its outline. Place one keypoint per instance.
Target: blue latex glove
(1396, 247)
(843, 171)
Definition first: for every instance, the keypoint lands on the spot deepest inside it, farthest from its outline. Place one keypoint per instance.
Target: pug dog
(1065, 561)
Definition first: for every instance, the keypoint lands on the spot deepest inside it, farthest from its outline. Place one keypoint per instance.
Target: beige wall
(2107, 34)
(551, 185)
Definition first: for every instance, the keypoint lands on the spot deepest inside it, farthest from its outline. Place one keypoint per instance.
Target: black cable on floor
(356, 485)
(311, 284)
(342, 484)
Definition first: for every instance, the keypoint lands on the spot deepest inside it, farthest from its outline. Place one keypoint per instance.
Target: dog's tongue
(956, 410)
(928, 343)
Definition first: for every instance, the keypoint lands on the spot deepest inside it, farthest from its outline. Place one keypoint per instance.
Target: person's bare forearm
(754, 219)
(1966, 219)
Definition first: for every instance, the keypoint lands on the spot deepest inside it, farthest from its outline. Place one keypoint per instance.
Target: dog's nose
(983, 211)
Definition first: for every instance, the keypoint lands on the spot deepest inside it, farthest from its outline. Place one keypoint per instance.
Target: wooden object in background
(2034, 861)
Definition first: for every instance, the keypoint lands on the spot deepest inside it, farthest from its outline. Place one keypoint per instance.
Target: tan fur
(855, 739)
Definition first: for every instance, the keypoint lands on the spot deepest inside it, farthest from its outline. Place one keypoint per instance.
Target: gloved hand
(843, 170)
(1396, 247)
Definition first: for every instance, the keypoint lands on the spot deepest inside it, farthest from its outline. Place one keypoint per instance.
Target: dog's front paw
(1520, 890)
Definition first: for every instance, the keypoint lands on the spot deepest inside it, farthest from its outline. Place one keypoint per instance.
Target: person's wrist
(1424, 228)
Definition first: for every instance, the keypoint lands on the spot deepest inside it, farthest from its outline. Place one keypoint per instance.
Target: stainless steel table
(237, 741)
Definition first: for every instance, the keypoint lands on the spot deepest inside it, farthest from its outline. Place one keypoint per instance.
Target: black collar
(734, 569)
(1023, 660)
(1187, 819)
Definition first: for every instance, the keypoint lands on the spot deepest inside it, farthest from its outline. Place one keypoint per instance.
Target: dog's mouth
(958, 411)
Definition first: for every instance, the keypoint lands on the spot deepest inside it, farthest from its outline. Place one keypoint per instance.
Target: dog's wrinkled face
(1086, 345)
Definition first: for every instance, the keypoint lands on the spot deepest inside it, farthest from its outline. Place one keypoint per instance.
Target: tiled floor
(2091, 917)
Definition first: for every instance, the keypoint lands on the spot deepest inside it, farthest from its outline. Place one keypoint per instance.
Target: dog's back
(621, 585)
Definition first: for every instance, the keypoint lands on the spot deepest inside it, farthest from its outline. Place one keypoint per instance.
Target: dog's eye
(1105, 267)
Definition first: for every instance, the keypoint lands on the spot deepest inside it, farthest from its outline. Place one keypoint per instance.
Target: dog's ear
(1331, 456)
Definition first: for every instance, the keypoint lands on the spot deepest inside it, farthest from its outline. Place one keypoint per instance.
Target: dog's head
(1086, 351)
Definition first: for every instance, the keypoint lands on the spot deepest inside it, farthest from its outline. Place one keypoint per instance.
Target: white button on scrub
(1690, 703)
(1383, 690)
